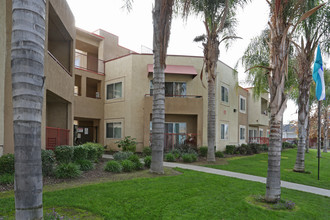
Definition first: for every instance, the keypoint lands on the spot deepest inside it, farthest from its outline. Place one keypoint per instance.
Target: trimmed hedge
(230, 149)
(203, 151)
(7, 164)
(219, 154)
(80, 153)
(63, 154)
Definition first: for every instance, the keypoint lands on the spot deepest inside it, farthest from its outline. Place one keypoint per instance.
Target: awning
(176, 69)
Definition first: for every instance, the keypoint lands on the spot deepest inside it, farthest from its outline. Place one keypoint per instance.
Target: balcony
(174, 140)
(89, 63)
(259, 140)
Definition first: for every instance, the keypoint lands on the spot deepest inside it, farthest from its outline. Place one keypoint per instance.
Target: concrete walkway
(284, 184)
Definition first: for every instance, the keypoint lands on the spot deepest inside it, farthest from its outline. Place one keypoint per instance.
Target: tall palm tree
(282, 17)
(162, 18)
(219, 21)
(27, 64)
(314, 30)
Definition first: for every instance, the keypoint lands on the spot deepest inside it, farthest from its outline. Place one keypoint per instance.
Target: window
(113, 130)
(242, 104)
(224, 94)
(114, 90)
(252, 133)
(224, 132)
(261, 132)
(172, 89)
(242, 132)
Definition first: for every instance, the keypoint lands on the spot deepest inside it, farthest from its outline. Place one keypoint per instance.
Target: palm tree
(315, 30)
(219, 21)
(326, 108)
(27, 60)
(283, 14)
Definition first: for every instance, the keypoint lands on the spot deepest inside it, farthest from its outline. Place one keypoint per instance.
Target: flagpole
(318, 139)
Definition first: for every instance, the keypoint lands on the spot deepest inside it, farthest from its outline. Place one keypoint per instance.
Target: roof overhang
(176, 69)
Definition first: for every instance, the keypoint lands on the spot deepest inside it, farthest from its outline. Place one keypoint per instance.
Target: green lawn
(192, 195)
(257, 165)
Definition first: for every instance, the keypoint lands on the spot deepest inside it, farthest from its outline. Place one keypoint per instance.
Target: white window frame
(114, 85)
(261, 132)
(221, 94)
(240, 106)
(113, 135)
(242, 127)
(225, 136)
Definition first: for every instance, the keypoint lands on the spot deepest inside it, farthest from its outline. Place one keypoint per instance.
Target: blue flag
(318, 76)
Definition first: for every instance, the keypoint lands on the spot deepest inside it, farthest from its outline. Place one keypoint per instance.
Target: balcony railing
(179, 96)
(56, 137)
(59, 63)
(174, 140)
(259, 140)
(89, 63)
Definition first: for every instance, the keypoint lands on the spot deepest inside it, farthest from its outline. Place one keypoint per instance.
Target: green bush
(242, 149)
(98, 151)
(119, 156)
(127, 144)
(113, 166)
(176, 153)
(7, 164)
(48, 162)
(147, 151)
(63, 154)
(169, 157)
(7, 178)
(255, 148)
(203, 151)
(136, 160)
(219, 154)
(147, 161)
(230, 149)
(189, 158)
(67, 170)
(92, 151)
(264, 147)
(84, 165)
(80, 153)
(128, 166)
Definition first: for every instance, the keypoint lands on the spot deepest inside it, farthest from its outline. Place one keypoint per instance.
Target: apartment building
(57, 116)
(99, 91)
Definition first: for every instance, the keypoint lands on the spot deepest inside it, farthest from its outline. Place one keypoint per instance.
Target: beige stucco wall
(225, 113)
(3, 52)
(243, 116)
(254, 115)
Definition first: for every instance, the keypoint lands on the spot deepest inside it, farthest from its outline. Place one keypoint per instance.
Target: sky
(134, 30)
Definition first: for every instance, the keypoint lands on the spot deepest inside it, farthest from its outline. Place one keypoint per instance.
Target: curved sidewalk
(284, 184)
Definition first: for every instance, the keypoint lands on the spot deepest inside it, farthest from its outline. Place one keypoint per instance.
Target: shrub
(169, 157)
(67, 170)
(128, 166)
(147, 161)
(255, 148)
(176, 153)
(219, 154)
(7, 178)
(189, 158)
(230, 149)
(7, 164)
(97, 152)
(113, 166)
(203, 151)
(147, 151)
(242, 149)
(63, 154)
(85, 164)
(48, 161)
(92, 151)
(127, 144)
(119, 156)
(136, 160)
(264, 147)
(80, 153)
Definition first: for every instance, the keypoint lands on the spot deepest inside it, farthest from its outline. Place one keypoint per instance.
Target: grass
(192, 195)
(257, 165)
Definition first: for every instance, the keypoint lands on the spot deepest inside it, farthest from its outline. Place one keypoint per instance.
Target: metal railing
(259, 140)
(173, 140)
(89, 63)
(59, 63)
(56, 137)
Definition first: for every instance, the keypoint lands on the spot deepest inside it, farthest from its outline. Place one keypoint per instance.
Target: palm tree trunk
(307, 132)
(28, 37)
(326, 118)
(303, 110)
(162, 18)
(211, 120)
